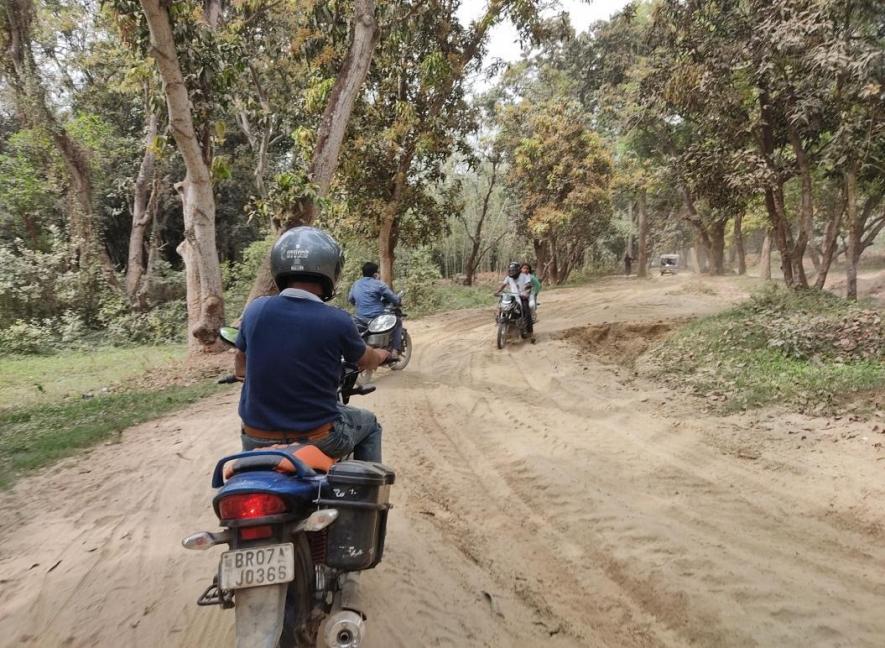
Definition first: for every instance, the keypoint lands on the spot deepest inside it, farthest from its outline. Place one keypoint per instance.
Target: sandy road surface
(542, 500)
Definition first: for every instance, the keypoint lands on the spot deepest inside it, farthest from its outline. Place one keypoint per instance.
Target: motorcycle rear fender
(259, 616)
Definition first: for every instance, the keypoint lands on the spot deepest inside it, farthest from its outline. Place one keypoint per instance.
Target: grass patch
(449, 296)
(27, 380)
(809, 350)
(39, 434)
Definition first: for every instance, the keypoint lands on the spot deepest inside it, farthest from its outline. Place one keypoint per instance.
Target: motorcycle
(299, 527)
(509, 315)
(378, 333)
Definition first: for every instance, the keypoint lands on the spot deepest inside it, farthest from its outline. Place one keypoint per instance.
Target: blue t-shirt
(369, 296)
(293, 353)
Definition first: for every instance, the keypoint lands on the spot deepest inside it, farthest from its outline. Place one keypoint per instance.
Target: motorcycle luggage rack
(215, 596)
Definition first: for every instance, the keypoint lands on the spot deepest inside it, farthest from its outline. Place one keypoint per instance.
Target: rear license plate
(257, 566)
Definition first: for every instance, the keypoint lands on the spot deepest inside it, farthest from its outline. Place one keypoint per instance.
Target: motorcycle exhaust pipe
(345, 629)
(346, 625)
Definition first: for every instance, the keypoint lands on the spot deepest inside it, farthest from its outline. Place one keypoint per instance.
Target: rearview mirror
(229, 334)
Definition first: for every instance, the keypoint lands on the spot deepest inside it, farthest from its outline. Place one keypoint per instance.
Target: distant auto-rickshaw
(669, 263)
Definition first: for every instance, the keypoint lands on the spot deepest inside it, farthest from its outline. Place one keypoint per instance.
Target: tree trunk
(854, 233)
(831, 241)
(141, 215)
(333, 125)
(739, 244)
(780, 230)
(774, 193)
(331, 130)
(476, 238)
(542, 259)
(642, 258)
(142, 298)
(387, 247)
(204, 292)
(717, 248)
(765, 257)
(33, 110)
(806, 210)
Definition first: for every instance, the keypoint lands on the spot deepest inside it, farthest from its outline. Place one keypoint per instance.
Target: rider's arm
(372, 358)
(389, 295)
(353, 349)
(240, 365)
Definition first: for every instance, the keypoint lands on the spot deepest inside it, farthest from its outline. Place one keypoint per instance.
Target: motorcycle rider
(290, 348)
(370, 296)
(522, 287)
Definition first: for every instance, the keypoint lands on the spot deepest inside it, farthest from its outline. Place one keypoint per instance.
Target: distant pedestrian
(628, 263)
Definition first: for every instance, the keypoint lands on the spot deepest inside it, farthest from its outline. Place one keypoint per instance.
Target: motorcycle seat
(308, 455)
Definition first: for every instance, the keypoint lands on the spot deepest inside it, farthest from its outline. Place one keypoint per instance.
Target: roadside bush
(239, 276)
(420, 275)
(808, 350)
(23, 337)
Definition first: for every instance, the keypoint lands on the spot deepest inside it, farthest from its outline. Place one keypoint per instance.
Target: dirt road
(542, 499)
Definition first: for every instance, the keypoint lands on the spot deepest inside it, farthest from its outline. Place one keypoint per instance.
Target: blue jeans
(396, 336)
(357, 431)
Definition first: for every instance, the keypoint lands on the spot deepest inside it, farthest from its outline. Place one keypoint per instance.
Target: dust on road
(542, 499)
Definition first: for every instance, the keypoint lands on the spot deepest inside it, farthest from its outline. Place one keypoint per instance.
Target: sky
(503, 39)
(503, 43)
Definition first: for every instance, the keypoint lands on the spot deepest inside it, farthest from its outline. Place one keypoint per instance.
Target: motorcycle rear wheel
(300, 625)
(502, 334)
(405, 353)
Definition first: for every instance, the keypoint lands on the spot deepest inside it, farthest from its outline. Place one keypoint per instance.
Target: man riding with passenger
(290, 351)
(520, 284)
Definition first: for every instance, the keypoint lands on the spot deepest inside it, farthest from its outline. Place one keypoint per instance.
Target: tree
(417, 117)
(33, 109)
(205, 300)
(474, 231)
(560, 172)
(300, 206)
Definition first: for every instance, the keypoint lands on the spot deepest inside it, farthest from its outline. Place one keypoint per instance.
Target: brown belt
(289, 437)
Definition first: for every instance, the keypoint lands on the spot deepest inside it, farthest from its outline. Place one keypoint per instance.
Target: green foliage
(120, 326)
(560, 172)
(238, 276)
(807, 349)
(37, 284)
(419, 277)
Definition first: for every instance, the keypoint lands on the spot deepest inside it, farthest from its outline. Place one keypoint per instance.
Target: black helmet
(308, 254)
(513, 269)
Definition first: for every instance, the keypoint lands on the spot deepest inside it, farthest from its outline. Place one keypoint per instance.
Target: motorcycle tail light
(250, 505)
(256, 532)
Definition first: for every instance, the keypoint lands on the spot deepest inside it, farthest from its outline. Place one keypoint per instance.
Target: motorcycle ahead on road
(509, 316)
(299, 527)
(378, 333)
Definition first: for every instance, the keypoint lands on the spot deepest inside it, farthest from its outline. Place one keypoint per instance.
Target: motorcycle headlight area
(382, 323)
